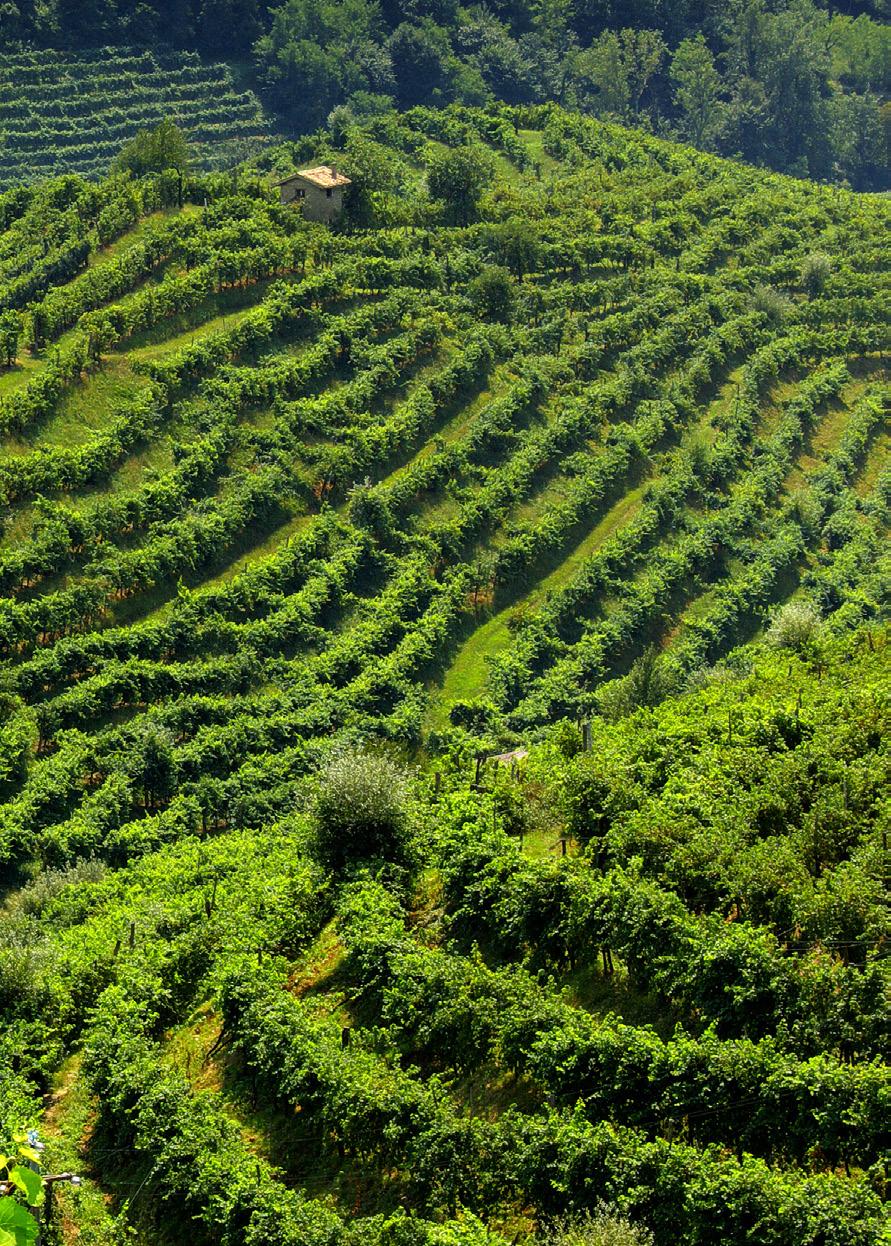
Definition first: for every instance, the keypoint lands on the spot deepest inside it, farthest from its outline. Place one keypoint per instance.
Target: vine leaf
(17, 1226)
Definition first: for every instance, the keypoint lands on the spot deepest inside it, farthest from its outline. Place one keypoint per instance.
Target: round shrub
(815, 272)
(774, 304)
(603, 1227)
(795, 626)
(361, 808)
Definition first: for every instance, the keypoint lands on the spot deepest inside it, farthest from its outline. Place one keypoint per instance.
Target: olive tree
(361, 808)
(774, 304)
(795, 626)
(602, 1227)
(815, 272)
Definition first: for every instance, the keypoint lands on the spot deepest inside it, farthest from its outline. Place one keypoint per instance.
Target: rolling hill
(517, 458)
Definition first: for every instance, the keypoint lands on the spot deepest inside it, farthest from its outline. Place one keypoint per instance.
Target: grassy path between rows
(466, 676)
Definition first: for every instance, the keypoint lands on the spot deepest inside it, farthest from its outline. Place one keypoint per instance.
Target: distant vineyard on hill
(71, 113)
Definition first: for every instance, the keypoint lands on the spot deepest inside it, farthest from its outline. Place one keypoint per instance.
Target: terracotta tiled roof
(323, 176)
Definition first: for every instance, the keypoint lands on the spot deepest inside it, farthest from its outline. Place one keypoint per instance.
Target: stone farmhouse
(318, 191)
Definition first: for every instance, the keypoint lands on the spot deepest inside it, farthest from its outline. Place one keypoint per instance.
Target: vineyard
(71, 113)
(443, 667)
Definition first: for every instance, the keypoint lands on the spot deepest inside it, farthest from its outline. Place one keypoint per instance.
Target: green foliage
(17, 738)
(476, 716)
(22, 1193)
(649, 682)
(309, 62)
(17, 1226)
(361, 808)
(492, 293)
(697, 86)
(771, 303)
(154, 151)
(422, 51)
(620, 66)
(603, 1227)
(781, 84)
(815, 272)
(517, 245)
(457, 179)
(10, 332)
(796, 626)
(282, 504)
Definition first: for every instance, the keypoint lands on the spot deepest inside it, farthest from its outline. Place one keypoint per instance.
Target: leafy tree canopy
(154, 151)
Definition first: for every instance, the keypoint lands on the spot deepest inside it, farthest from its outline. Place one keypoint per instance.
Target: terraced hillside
(64, 112)
(271, 491)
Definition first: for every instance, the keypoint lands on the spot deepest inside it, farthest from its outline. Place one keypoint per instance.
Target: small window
(328, 193)
(300, 194)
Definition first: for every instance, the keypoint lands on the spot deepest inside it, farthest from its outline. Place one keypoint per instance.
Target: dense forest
(444, 676)
(796, 85)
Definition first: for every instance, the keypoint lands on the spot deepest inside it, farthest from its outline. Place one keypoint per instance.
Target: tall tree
(621, 67)
(643, 52)
(224, 23)
(552, 22)
(697, 86)
(317, 53)
(457, 178)
(421, 53)
(87, 25)
(486, 43)
(858, 139)
(154, 151)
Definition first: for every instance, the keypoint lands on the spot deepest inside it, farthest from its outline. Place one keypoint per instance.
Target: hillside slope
(682, 1016)
(307, 501)
(71, 112)
(541, 448)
